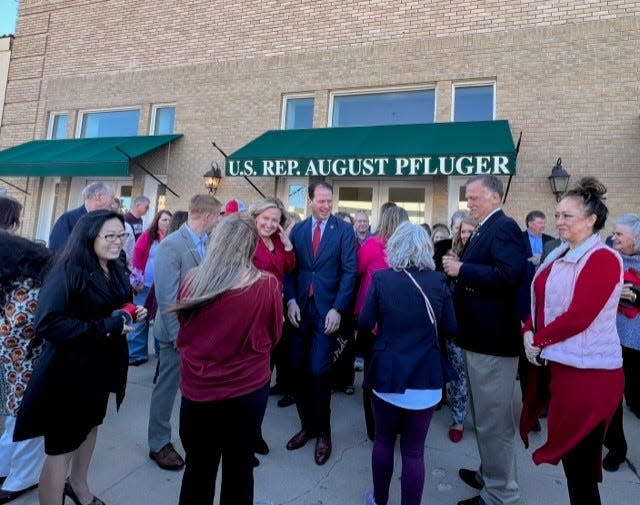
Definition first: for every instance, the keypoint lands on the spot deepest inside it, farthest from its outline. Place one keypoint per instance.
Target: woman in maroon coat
(230, 318)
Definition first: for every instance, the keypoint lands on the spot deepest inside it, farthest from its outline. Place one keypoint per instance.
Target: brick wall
(566, 75)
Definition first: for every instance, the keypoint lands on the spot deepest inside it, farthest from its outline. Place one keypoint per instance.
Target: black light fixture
(212, 177)
(559, 180)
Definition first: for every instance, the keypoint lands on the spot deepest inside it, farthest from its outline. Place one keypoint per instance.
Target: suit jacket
(332, 272)
(176, 255)
(486, 301)
(527, 244)
(63, 227)
(405, 350)
(524, 294)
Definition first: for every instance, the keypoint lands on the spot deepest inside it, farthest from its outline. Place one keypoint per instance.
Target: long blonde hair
(227, 265)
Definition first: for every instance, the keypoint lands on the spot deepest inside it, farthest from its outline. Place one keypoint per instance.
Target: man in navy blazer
(97, 196)
(490, 272)
(318, 292)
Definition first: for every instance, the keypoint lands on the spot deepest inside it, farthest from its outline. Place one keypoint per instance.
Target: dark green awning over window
(78, 157)
(464, 149)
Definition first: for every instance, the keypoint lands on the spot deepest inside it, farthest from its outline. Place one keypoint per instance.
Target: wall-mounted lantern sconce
(559, 180)
(212, 177)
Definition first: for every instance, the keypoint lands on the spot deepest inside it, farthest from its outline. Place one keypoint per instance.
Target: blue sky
(8, 13)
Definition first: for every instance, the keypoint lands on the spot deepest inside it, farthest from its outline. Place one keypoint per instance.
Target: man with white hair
(97, 196)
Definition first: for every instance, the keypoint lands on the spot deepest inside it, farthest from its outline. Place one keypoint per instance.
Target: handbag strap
(430, 311)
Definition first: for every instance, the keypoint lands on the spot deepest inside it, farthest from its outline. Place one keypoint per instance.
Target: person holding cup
(85, 357)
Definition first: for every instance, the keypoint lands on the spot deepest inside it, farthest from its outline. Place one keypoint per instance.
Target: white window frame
(82, 113)
(378, 91)
(154, 111)
(472, 84)
(53, 115)
(293, 96)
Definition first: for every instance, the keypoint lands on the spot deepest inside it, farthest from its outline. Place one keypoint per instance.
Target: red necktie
(315, 241)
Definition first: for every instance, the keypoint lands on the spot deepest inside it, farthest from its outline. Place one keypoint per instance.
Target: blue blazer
(332, 272)
(405, 350)
(63, 227)
(486, 295)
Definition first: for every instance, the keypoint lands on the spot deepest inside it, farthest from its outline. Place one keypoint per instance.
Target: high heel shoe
(68, 491)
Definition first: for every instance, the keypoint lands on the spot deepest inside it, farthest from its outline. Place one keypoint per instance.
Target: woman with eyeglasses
(83, 317)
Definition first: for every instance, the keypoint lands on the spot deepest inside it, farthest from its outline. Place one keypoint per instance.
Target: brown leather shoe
(167, 458)
(298, 440)
(323, 449)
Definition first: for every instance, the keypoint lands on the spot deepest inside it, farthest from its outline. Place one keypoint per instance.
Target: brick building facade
(564, 73)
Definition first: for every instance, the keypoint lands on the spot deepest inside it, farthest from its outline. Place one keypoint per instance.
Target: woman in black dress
(85, 356)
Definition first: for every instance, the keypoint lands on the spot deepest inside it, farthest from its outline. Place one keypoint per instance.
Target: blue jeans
(138, 337)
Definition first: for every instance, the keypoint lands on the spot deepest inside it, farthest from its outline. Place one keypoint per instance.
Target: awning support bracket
(245, 177)
(511, 175)
(147, 171)
(15, 187)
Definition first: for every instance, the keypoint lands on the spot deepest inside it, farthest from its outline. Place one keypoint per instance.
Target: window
(384, 108)
(162, 120)
(57, 126)
(298, 113)
(474, 102)
(112, 123)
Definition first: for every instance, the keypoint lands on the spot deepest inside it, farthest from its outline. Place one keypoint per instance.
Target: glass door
(357, 194)
(416, 197)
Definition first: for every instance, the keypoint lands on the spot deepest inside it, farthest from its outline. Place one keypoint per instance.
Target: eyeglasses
(112, 237)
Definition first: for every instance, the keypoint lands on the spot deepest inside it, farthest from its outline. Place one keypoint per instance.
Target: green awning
(464, 149)
(78, 157)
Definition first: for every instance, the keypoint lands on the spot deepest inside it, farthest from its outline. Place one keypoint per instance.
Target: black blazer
(405, 350)
(85, 356)
(486, 295)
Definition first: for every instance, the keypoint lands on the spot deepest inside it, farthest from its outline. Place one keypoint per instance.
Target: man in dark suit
(534, 240)
(97, 196)
(534, 236)
(318, 293)
(489, 272)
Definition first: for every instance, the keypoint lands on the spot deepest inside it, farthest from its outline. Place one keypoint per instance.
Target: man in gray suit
(177, 254)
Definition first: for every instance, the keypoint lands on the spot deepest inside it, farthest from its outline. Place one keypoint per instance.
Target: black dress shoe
(298, 440)
(262, 447)
(469, 478)
(323, 449)
(476, 500)
(7, 496)
(286, 400)
(613, 460)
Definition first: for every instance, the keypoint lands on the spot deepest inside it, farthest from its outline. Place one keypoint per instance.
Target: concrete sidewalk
(123, 474)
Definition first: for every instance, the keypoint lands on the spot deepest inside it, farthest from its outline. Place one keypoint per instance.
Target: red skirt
(579, 401)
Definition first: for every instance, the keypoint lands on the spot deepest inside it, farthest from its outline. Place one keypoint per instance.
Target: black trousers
(281, 360)
(224, 429)
(615, 440)
(581, 466)
(631, 367)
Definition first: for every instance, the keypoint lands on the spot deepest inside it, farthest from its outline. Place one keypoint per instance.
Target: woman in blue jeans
(409, 304)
